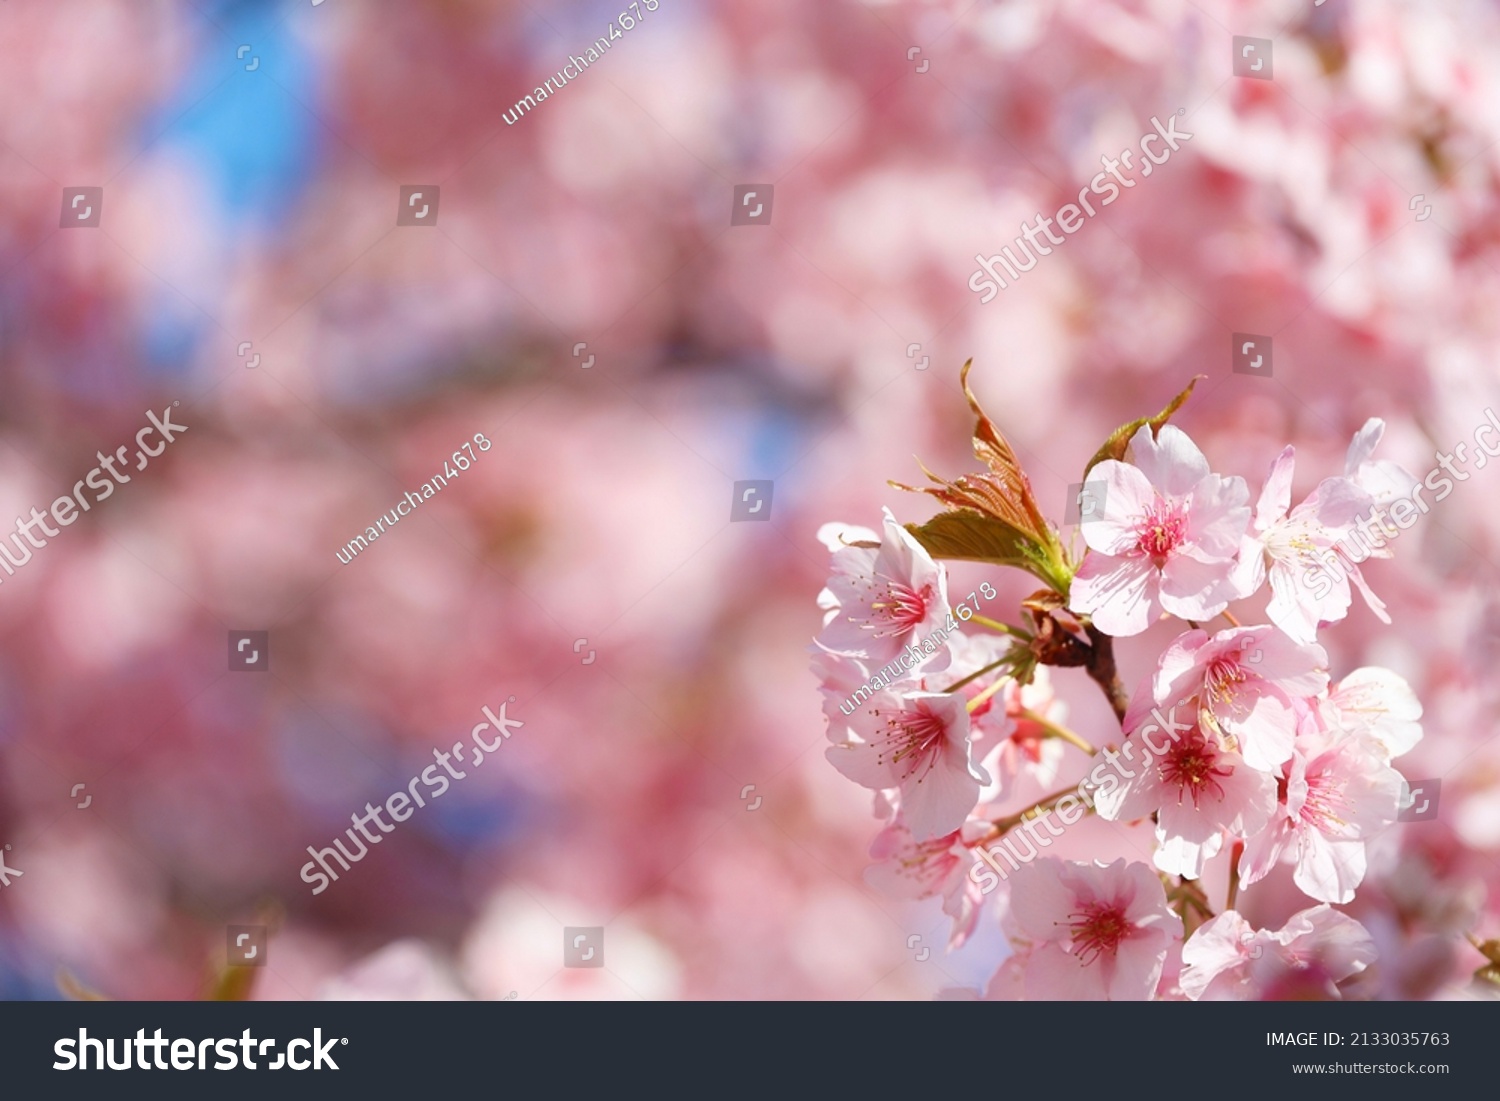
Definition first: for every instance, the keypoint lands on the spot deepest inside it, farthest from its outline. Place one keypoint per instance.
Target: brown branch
(1101, 667)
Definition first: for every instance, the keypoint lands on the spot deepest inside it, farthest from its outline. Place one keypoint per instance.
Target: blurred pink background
(259, 204)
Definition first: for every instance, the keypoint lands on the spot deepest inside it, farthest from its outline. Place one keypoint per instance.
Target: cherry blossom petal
(1122, 595)
(1171, 461)
(1127, 496)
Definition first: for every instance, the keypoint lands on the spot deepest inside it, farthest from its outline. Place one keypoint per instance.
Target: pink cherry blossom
(1337, 791)
(917, 743)
(989, 720)
(882, 599)
(1166, 540)
(1245, 680)
(907, 868)
(1026, 749)
(1199, 791)
(840, 680)
(1379, 704)
(1383, 480)
(1007, 741)
(1090, 932)
(1292, 547)
(1314, 951)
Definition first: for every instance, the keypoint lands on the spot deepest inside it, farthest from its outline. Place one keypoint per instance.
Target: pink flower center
(1161, 531)
(1222, 677)
(1098, 929)
(896, 607)
(915, 737)
(928, 863)
(1326, 807)
(1193, 765)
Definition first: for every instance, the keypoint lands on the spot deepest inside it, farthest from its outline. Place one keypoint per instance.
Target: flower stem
(1189, 895)
(1003, 628)
(1234, 874)
(1001, 826)
(977, 674)
(1056, 731)
(1230, 616)
(978, 701)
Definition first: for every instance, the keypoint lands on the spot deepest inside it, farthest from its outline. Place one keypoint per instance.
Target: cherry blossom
(840, 680)
(1335, 793)
(1199, 791)
(907, 868)
(1027, 749)
(1167, 539)
(883, 599)
(1314, 951)
(1379, 704)
(1090, 932)
(917, 743)
(1245, 680)
(1238, 749)
(1291, 547)
(1008, 739)
(1383, 480)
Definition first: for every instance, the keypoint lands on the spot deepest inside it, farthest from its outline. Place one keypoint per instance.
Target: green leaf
(1002, 522)
(970, 536)
(1119, 439)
